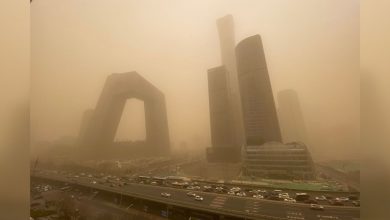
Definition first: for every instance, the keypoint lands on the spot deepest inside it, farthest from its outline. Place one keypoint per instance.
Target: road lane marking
(295, 214)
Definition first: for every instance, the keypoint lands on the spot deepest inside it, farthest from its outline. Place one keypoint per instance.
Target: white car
(284, 195)
(320, 198)
(258, 196)
(198, 198)
(343, 199)
(235, 189)
(240, 194)
(317, 207)
(231, 193)
(166, 195)
(192, 194)
(290, 200)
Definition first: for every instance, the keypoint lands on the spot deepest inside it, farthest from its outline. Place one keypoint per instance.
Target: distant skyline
(312, 47)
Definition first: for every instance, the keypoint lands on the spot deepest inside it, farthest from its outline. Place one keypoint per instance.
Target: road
(220, 203)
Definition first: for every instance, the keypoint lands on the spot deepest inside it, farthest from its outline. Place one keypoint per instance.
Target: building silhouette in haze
(225, 119)
(223, 136)
(259, 112)
(100, 125)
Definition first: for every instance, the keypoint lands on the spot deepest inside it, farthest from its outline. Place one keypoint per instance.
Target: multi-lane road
(245, 207)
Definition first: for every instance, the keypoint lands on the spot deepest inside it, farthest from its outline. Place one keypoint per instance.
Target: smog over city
(312, 50)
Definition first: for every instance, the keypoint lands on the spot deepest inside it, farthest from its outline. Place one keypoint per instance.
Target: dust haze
(311, 47)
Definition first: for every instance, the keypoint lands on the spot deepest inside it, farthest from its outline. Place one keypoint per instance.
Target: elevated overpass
(217, 206)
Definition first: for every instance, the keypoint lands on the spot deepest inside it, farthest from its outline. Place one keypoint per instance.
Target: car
(235, 189)
(153, 183)
(320, 198)
(241, 194)
(258, 196)
(195, 183)
(192, 194)
(356, 203)
(231, 193)
(343, 199)
(316, 207)
(277, 191)
(290, 200)
(165, 194)
(302, 197)
(336, 202)
(198, 198)
(284, 195)
(93, 182)
(218, 188)
(207, 188)
(328, 197)
(190, 187)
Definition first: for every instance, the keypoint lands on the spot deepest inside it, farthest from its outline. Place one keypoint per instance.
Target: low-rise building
(277, 160)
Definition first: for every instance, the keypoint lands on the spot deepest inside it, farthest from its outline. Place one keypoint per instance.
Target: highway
(223, 204)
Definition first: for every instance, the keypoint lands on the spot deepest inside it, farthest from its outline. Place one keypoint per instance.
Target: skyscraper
(97, 137)
(258, 107)
(227, 41)
(222, 133)
(223, 136)
(225, 109)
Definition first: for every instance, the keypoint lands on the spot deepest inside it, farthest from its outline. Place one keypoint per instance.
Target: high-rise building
(223, 147)
(98, 132)
(220, 116)
(259, 113)
(227, 41)
(225, 109)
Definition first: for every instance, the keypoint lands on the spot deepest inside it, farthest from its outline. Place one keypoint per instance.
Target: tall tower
(259, 113)
(225, 109)
(223, 139)
(227, 41)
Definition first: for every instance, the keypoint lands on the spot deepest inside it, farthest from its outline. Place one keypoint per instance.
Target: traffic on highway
(269, 202)
(288, 196)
